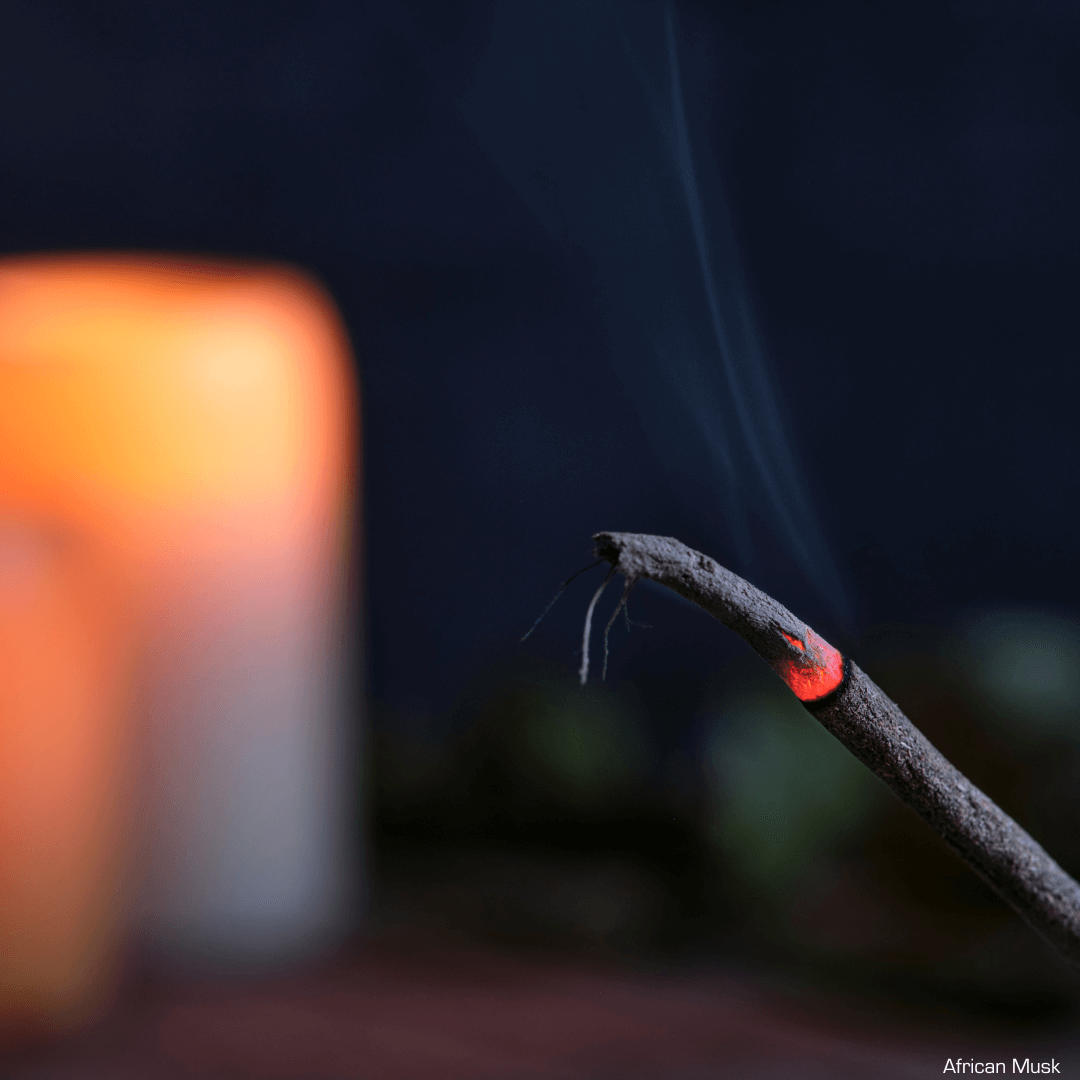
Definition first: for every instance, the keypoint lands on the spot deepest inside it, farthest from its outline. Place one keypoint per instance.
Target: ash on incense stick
(853, 709)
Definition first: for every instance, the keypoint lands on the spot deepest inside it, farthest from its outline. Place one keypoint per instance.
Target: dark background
(811, 308)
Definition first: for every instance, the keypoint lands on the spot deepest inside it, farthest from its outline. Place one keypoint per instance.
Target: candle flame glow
(221, 412)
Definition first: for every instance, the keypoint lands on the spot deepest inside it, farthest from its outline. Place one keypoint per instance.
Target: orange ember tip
(817, 673)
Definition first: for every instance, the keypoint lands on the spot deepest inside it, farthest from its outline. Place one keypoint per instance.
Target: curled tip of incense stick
(551, 603)
(588, 626)
(621, 606)
(853, 709)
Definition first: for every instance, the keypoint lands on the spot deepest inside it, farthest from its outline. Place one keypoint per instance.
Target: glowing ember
(815, 674)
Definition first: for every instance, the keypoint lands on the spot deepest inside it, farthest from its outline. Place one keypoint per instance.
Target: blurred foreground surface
(571, 891)
(411, 1008)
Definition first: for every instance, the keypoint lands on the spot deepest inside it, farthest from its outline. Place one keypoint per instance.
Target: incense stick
(852, 708)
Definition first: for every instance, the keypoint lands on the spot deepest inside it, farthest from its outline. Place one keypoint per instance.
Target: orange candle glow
(64, 668)
(196, 420)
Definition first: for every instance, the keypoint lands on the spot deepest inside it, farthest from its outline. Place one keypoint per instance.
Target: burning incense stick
(854, 709)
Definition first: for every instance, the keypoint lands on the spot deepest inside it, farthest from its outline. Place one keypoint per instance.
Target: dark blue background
(898, 184)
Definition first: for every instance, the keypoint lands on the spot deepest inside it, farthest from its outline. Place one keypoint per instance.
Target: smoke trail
(581, 105)
(777, 476)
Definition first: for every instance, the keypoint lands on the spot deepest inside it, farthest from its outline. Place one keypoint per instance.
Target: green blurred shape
(785, 793)
(1026, 665)
(582, 747)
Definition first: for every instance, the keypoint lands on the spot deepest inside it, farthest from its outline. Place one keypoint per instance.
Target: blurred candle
(64, 672)
(198, 419)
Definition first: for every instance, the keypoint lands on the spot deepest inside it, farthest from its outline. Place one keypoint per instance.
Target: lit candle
(197, 419)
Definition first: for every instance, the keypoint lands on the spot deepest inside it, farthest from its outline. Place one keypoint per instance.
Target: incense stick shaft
(874, 729)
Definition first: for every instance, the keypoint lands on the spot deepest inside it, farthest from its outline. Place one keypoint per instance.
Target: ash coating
(755, 616)
(874, 729)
